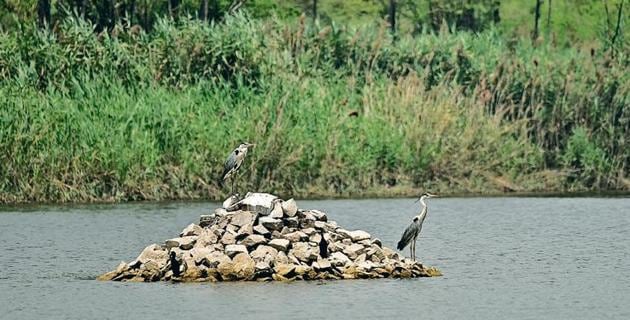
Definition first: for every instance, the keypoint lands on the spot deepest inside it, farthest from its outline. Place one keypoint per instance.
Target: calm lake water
(513, 258)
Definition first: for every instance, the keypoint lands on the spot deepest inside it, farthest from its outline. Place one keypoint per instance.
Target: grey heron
(413, 230)
(234, 162)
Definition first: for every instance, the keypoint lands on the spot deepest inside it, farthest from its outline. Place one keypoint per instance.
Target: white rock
(338, 259)
(232, 249)
(279, 244)
(295, 236)
(271, 223)
(353, 250)
(191, 230)
(253, 240)
(185, 243)
(260, 229)
(289, 207)
(359, 235)
(257, 202)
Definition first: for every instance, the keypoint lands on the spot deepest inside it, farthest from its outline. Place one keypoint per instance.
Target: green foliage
(334, 111)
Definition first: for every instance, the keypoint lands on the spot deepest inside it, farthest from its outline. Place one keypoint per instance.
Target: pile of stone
(263, 238)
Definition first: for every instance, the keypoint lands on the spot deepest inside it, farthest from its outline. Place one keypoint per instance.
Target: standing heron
(413, 230)
(233, 163)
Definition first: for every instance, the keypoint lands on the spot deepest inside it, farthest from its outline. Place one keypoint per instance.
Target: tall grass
(334, 111)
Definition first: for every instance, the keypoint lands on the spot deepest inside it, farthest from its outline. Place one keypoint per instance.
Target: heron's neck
(423, 212)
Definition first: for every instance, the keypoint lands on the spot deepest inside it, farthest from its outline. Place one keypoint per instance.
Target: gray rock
(271, 223)
(261, 203)
(185, 243)
(359, 235)
(200, 253)
(292, 222)
(315, 237)
(309, 231)
(353, 250)
(253, 240)
(241, 218)
(304, 252)
(207, 220)
(244, 231)
(264, 253)
(154, 253)
(228, 238)
(206, 238)
(295, 236)
(244, 266)
(276, 211)
(322, 264)
(290, 208)
(262, 266)
(233, 249)
(320, 216)
(280, 258)
(261, 230)
(338, 259)
(279, 244)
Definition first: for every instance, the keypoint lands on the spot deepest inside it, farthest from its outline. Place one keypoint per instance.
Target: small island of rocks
(263, 238)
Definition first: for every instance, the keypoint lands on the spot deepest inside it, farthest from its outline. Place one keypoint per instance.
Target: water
(515, 258)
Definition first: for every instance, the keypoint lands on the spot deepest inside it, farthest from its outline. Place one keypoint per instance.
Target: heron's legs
(414, 249)
(411, 250)
(233, 178)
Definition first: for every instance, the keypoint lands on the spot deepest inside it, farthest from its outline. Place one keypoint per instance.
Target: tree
(536, 19)
(392, 15)
(43, 12)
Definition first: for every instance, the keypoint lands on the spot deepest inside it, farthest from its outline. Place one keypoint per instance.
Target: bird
(175, 264)
(413, 230)
(233, 163)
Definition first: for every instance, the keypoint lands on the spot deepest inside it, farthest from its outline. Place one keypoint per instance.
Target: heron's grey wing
(229, 164)
(411, 231)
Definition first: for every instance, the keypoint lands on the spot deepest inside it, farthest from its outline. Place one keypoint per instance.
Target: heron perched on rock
(413, 230)
(233, 163)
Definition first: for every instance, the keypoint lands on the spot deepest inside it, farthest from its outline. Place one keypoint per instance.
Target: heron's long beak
(433, 195)
(251, 145)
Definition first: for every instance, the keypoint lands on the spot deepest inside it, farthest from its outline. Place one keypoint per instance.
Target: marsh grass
(334, 112)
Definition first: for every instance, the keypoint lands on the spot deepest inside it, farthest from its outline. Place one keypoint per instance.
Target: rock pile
(263, 238)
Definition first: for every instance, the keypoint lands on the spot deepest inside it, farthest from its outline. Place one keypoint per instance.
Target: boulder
(279, 244)
(338, 259)
(206, 220)
(261, 230)
(295, 236)
(359, 235)
(290, 208)
(320, 216)
(184, 243)
(151, 253)
(276, 211)
(253, 240)
(353, 250)
(215, 258)
(244, 266)
(322, 264)
(234, 249)
(304, 252)
(191, 230)
(241, 218)
(292, 222)
(271, 223)
(260, 203)
(206, 238)
(199, 254)
(264, 253)
(228, 238)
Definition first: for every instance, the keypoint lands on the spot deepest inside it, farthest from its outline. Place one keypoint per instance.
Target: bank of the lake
(334, 111)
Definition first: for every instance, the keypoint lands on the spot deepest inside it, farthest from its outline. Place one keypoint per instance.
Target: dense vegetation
(334, 110)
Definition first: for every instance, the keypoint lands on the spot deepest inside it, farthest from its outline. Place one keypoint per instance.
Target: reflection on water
(517, 258)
